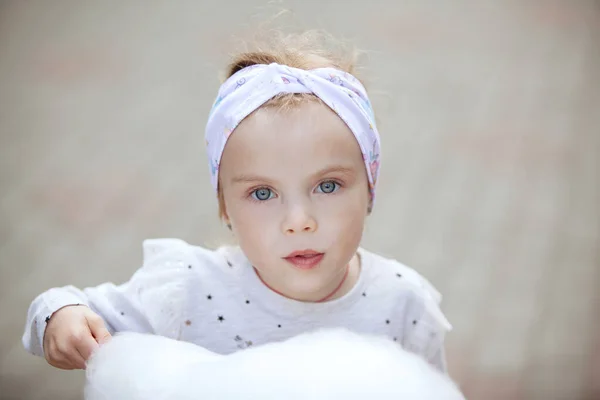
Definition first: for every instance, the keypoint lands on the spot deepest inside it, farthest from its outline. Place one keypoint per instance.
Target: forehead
(309, 136)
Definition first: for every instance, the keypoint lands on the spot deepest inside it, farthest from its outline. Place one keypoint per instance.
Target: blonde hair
(307, 50)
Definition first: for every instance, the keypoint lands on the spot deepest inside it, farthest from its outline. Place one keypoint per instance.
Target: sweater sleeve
(152, 301)
(425, 325)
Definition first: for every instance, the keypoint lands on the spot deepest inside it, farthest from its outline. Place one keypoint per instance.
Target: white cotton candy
(333, 364)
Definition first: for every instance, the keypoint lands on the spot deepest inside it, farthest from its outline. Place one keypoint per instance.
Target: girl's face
(294, 181)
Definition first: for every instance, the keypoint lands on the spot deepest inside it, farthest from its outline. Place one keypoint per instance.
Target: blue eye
(262, 194)
(328, 187)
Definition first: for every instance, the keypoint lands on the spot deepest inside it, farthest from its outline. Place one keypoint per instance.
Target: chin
(307, 288)
(320, 365)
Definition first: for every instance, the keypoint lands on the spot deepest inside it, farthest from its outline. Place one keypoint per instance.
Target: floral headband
(251, 87)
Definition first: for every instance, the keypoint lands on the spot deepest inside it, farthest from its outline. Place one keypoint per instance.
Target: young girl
(294, 157)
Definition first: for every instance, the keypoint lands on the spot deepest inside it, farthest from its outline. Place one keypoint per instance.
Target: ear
(223, 210)
(226, 220)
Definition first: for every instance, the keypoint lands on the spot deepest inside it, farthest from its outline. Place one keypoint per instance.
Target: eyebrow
(248, 179)
(335, 168)
(327, 170)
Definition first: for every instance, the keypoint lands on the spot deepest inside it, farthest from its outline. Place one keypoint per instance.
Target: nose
(297, 220)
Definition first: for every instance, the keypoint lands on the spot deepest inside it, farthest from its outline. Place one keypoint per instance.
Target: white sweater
(214, 299)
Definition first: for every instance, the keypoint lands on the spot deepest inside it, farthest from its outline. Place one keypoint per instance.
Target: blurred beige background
(490, 116)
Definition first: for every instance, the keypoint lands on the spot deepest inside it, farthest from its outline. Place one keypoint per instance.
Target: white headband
(248, 89)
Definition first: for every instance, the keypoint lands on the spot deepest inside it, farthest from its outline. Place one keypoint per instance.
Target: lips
(305, 259)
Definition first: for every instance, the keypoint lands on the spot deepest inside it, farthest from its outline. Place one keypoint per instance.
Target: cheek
(252, 225)
(255, 237)
(350, 224)
(349, 208)
(246, 213)
(344, 219)
(345, 226)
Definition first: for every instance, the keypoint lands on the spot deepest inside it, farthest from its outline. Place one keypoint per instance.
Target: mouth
(305, 259)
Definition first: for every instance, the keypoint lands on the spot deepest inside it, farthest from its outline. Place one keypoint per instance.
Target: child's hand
(71, 336)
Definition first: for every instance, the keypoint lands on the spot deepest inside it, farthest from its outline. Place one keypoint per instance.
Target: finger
(77, 360)
(98, 329)
(55, 356)
(86, 347)
(64, 362)
(50, 351)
